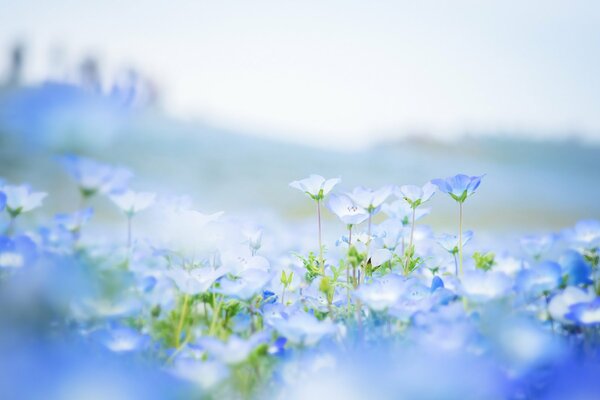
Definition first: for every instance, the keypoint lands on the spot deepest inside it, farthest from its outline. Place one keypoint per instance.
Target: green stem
(215, 317)
(460, 242)
(184, 310)
(410, 243)
(320, 241)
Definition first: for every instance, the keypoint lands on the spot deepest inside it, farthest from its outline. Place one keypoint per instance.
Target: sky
(340, 73)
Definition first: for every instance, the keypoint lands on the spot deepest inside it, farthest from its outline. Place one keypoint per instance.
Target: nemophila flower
(94, 177)
(586, 233)
(194, 281)
(415, 195)
(381, 294)
(459, 187)
(537, 245)
(122, 339)
(452, 244)
(20, 199)
(388, 234)
(480, 285)
(2, 200)
(246, 285)
(315, 186)
(17, 252)
(131, 202)
(577, 270)
(254, 240)
(560, 304)
(206, 374)
(303, 328)
(73, 222)
(415, 297)
(369, 199)
(346, 209)
(587, 313)
(539, 279)
(402, 211)
(235, 350)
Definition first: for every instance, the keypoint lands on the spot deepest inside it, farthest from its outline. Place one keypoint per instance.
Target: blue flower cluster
(193, 304)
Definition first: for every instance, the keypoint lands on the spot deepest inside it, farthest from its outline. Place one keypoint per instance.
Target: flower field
(210, 305)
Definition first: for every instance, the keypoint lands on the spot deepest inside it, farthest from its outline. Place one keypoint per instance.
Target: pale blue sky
(327, 72)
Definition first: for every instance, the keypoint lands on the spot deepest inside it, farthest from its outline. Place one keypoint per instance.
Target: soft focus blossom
(315, 186)
(415, 195)
(346, 209)
(459, 187)
(94, 177)
(131, 202)
(21, 198)
(369, 199)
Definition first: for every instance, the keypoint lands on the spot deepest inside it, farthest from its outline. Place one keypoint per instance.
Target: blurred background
(230, 101)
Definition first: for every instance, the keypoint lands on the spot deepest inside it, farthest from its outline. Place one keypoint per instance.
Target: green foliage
(311, 264)
(286, 279)
(410, 262)
(592, 256)
(483, 261)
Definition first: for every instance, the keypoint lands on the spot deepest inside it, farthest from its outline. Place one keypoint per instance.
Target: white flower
(482, 286)
(235, 350)
(560, 304)
(415, 195)
(133, 202)
(370, 199)
(194, 281)
(254, 240)
(249, 282)
(303, 328)
(315, 186)
(381, 294)
(402, 211)
(343, 206)
(20, 199)
(93, 177)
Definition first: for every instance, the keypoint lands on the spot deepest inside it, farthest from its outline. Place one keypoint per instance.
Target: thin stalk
(412, 233)
(283, 296)
(320, 241)
(184, 310)
(460, 243)
(455, 263)
(348, 269)
(215, 317)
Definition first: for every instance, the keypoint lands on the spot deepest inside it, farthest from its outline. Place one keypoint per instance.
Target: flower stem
(184, 309)
(410, 243)
(320, 241)
(215, 317)
(460, 242)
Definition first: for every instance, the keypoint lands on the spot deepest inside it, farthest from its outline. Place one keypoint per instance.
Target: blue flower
(561, 303)
(586, 313)
(540, 279)
(577, 270)
(17, 252)
(459, 187)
